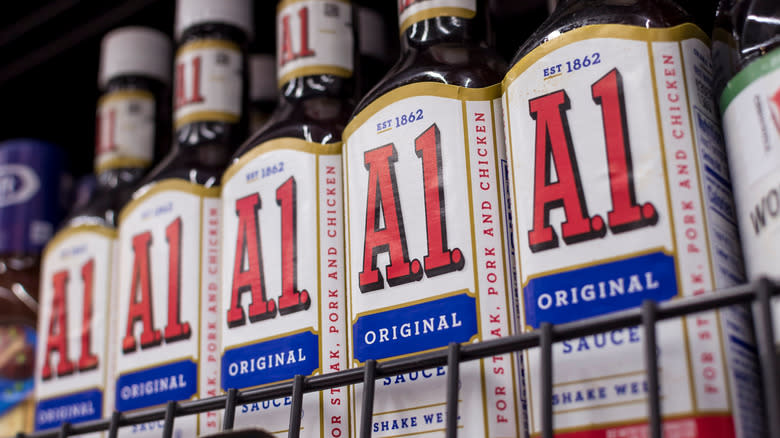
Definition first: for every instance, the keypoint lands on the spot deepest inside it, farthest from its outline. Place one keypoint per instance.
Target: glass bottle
(262, 90)
(425, 191)
(30, 175)
(168, 242)
(77, 275)
(623, 195)
(282, 229)
(750, 104)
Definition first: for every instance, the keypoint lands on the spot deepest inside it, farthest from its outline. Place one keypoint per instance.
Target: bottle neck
(440, 28)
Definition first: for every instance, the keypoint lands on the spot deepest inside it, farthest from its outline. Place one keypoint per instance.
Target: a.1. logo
(140, 308)
(248, 253)
(57, 336)
(383, 204)
(554, 149)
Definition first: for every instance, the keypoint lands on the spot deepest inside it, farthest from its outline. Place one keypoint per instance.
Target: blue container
(31, 174)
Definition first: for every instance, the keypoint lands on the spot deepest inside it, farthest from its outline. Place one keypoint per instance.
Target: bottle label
(167, 336)
(622, 194)
(30, 205)
(125, 130)
(209, 82)
(427, 261)
(75, 318)
(283, 295)
(412, 11)
(314, 37)
(751, 120)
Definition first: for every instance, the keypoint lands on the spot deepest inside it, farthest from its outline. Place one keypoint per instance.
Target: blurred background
(49, 56)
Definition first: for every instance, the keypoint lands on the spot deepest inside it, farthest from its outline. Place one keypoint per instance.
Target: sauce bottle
(168, 275)
(283, 301)
(426, 201)
(750, 104)
(724, 46)
(30, 175)
(622, 195)
(77, 276)
(262, 89)
(377, 50)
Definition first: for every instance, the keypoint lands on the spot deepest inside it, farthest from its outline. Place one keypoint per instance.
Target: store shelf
(757, 295)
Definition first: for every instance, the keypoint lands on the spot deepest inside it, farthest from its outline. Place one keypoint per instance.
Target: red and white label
(425, 223)
(208, 82)
(125, 134)
(167, 295)
(314, 37)
(283, 276)
(616, 156)
(75, 318)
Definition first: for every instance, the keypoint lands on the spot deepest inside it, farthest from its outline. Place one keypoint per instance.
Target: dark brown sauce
(448, 50)
(202, 149)
(573, 14)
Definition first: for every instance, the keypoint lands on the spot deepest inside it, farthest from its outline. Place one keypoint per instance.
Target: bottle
(30, 175)
(77, 274)
(622, 195)
(262, 90)
(168, 275)
(724, 46)
(377, 50)
(283, 300)
(426, 212)
(750, 105)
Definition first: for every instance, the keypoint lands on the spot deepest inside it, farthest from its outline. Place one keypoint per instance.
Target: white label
(125, 130)
(167, 291)
(209, 80)
(72, 365)
(314, 37)
(427, 256)
(283, 281)
(620, 197)
(752, 126)
(411, 11)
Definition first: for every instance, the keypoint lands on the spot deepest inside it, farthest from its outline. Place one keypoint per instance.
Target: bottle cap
(234, 12)
(137, 51)
(262, 82)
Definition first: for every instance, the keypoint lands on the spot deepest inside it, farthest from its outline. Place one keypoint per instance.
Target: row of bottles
(459, 200)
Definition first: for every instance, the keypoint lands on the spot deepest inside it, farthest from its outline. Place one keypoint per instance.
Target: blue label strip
(271, 361)
(73, 408)
(415, 328)
(596, 290)
(142, 389)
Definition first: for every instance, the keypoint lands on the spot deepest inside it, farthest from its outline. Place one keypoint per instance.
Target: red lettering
(140, 308)
(383, 199)
(58, 329)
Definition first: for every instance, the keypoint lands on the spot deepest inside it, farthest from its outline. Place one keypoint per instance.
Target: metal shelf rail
(756, 294)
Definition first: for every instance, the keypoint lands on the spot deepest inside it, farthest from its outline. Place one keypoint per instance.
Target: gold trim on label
(284, 143)
(69, 232)
(208, 44)
(171, 184)
(607, 31)
(207, 116)
(434, 89)
(311, 70)
(121, 163)
(284, 3)
(437, 12)
(124, 95)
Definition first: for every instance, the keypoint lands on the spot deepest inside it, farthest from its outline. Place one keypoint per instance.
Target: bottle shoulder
(104, 205)
(576, 14)
(469, 66)
(202, 165)
(315, 120)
